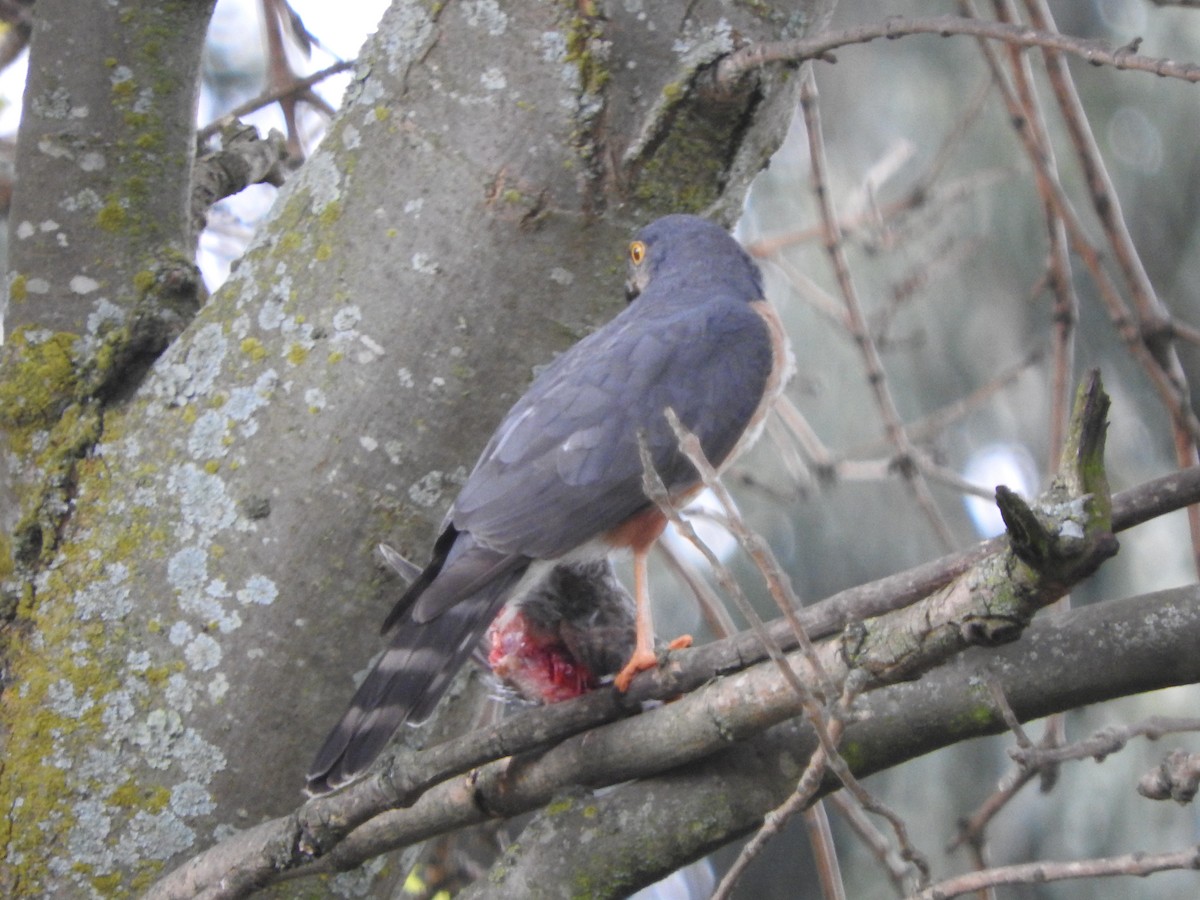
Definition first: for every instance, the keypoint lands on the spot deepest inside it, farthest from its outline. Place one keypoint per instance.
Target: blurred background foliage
(954, 288)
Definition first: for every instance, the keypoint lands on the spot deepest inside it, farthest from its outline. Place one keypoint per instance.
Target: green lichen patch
(687, 170)
(68, 685)
(18, 289)
(253, 348)
(583, 33)
(38, 377)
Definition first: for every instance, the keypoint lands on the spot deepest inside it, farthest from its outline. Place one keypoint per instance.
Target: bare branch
(1103, 743)
(855, 320)
(272, 95)
(1096, 52)
(1140, 864)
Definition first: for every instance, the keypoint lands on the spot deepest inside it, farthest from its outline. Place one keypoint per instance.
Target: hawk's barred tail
(405, 685)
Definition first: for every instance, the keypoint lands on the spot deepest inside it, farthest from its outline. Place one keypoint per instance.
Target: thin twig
(1103, 743)
(922, 194)
(711, 608)
(875, 840)
(828, 720)
(929, 426)
(1096, 52)
(858, 326)
(1058, 271)
(272, 95)
(820, 835)
(1140, 864)
(656, 490)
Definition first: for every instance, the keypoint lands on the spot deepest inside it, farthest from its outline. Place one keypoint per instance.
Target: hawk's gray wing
(563, 467)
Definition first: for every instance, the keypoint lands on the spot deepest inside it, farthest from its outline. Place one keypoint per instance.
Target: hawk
(560, 481)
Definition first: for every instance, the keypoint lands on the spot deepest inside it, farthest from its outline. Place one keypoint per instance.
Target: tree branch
(1064, 661)
(1096, 52)
(1140, 864)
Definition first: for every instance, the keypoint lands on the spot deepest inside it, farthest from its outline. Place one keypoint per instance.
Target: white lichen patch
(154, 735)
(406, 30)
(187, 570)
(155, 836)
(271, 314)
(323, 179)
(206, 608)
(176, 381)
(25, 230)
(413, 207)
(347, 318)
(428, 490)
(259, 590)
(104, 312)
(82, 284)
(366, 92)
(704, 42)
(351, 137)
(87, 841)
(314, 399)
(553, 47)
(180, 633)
(405, 376)
(63, 700)
(218, 688)
(118, 712)
(86, 199)
(180, 693)
(206, 440)
(370, 350)
(244, 402)
(202, 653)
(423, 263)
(55, 103)
(493, 79)
(205, 506)
(92, 161)
(485, 14)
(368, 443)
(561, 276)
(190, 798)
(107, 599)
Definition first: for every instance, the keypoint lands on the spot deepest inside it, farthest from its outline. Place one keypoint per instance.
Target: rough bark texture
(192, 562)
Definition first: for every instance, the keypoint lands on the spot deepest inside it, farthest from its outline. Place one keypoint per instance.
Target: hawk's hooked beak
(634, 284)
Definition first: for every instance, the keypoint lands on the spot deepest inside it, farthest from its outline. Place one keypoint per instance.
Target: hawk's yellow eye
(637, 252)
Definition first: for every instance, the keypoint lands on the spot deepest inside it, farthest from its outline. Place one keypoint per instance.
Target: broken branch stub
(1054, 542)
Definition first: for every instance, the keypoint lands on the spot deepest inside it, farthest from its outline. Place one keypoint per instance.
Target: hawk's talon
(639, 662)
